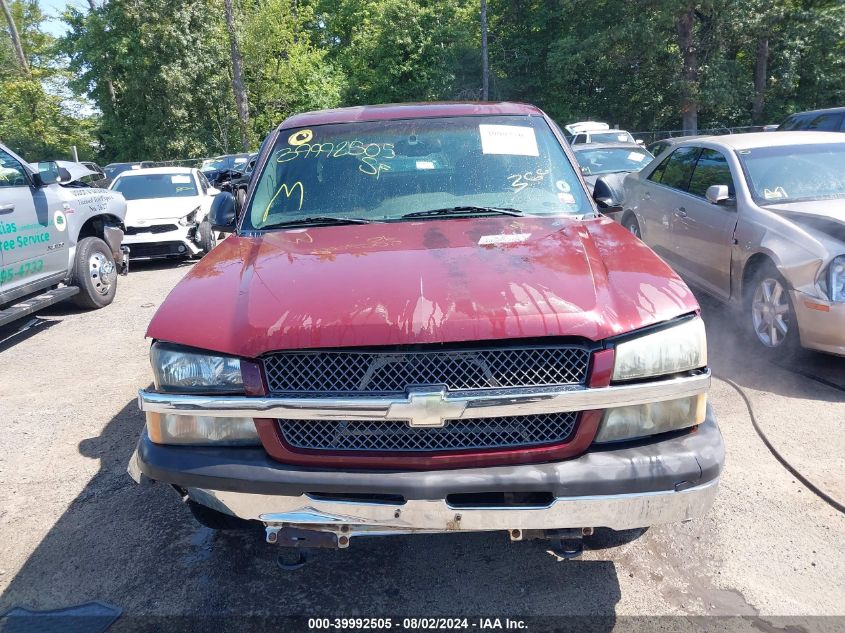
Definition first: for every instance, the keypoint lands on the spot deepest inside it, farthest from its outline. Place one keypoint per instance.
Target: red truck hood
(432, 281)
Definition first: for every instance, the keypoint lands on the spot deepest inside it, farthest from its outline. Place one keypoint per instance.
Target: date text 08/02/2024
(418, 623)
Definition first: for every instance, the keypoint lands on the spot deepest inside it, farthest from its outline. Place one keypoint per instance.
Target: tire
(217, 520)
(769, 313)
(240, 199)
(94, 273)
(207, 240)
(630, 223)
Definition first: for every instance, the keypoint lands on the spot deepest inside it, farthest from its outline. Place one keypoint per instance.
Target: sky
(52, 8)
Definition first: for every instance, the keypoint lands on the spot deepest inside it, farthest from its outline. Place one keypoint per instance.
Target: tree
(16, 40)
(238, 85)
(285, 71)
(163, 60)
(34, 121)
(485, 62)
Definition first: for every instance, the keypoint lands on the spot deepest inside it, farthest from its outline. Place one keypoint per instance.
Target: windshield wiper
(317, 220)
(464, 210)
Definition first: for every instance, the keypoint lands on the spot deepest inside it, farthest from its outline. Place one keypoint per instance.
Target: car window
(679, 166)
(147, 186)
(613, 136)
(657, 174)
(825, 123)
(795, 173)
(12, 174)
(711, 169)
(608, 160)
(383, 170)
(579, 138)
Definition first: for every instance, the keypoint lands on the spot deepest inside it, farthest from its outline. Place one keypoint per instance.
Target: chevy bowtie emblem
(426, 409)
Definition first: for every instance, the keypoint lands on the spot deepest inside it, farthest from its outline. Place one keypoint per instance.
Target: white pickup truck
(58, 239)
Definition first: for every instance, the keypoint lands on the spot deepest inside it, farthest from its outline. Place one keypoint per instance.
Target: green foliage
(35, 120)
(396, 50)
(285, 71)
(159, 72)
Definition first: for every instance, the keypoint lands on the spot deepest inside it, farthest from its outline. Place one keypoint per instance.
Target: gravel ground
(74, 527)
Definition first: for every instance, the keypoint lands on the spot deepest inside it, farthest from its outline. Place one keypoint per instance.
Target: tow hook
(565, 543)
(297, 541)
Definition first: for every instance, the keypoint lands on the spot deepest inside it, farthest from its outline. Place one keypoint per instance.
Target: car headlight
(201, 430)
(628, 423)
(190, 219)
(675, 349)
(176, 369)
(836, 279)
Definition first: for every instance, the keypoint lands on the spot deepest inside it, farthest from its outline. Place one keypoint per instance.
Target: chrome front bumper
(618, 512)
(490, 404)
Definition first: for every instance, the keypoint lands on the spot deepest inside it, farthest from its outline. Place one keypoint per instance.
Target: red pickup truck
(423, 323)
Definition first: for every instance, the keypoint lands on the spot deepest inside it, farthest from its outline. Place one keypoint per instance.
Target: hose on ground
(783, 462)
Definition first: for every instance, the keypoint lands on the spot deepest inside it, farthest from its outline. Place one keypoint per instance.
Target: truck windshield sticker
(774, 194)
(301, 137)
(180, 180)
(513, 238)
(513, 140)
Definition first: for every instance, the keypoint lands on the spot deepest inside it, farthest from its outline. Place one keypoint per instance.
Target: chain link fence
(659, 135)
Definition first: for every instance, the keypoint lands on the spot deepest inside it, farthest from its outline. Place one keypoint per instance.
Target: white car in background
(167, 212)
(598, 132)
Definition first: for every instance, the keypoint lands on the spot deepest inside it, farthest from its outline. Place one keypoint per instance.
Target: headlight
(627, 423)
(836, 279)
(180, 370)
(190, 219)
(671, 350)
(167, 428)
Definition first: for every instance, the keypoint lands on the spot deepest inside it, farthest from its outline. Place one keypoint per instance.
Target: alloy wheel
(770, 312)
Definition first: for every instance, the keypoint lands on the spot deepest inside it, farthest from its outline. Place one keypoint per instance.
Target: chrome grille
(353, 372)
(474, 433)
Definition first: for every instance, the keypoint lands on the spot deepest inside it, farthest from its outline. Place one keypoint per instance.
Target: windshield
(155, 186)
(613, 136)
(113, 170)
(209, 164)
(383, 170)
(609, 160)
(792, 173)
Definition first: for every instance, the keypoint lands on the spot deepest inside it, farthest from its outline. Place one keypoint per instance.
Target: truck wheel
(94, 273)
(217, 520)
(769, 313)
(206, 240)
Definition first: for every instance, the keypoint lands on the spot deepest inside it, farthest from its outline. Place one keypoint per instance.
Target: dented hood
(433, 281)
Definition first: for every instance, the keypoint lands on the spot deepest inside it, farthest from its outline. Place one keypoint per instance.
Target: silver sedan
(757, 220)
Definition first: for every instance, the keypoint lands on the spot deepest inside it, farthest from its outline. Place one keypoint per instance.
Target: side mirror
(606, 198)
(717, 194)
(48, 173)
(222, 214)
